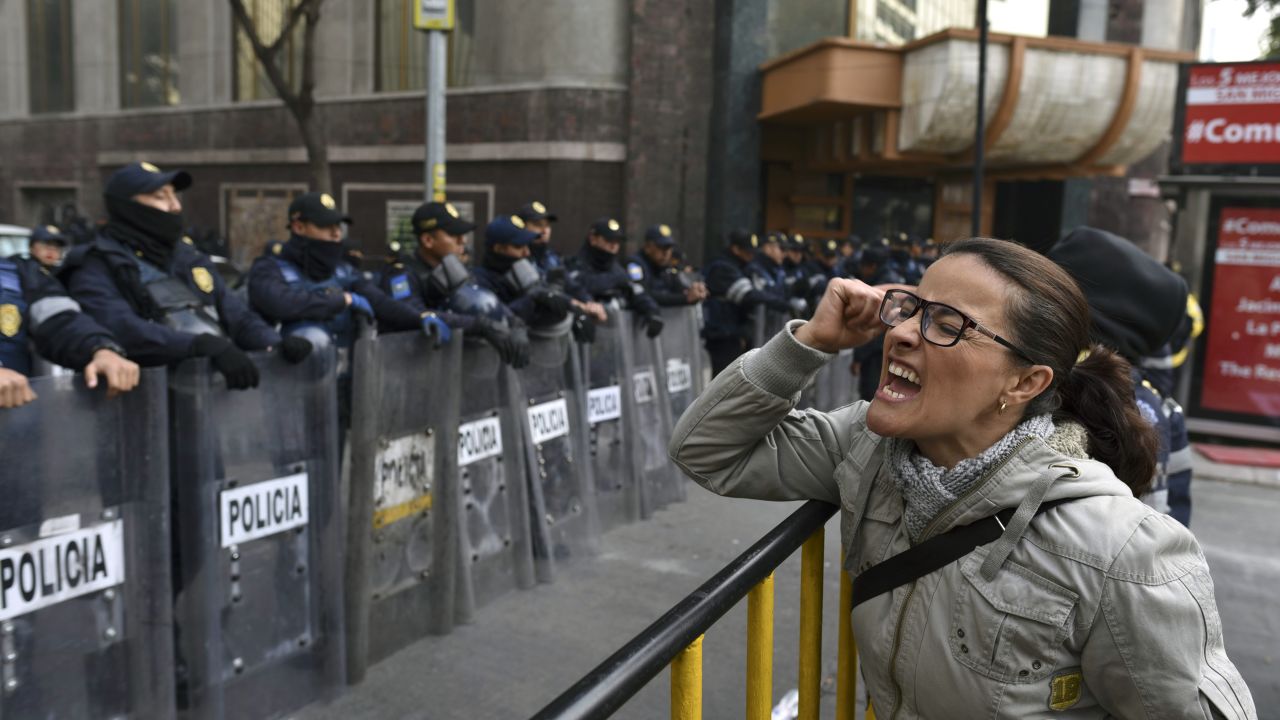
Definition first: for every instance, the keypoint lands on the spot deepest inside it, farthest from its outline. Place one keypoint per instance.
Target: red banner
(1242, 353)
(1232, 115)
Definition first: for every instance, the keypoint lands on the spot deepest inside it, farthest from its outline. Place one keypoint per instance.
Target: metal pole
(760, 651)
(979, 132)
(810, 684)
(437, 59)
(686, 683)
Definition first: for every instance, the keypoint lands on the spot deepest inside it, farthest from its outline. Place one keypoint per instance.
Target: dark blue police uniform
(35, 310)
(156, 313)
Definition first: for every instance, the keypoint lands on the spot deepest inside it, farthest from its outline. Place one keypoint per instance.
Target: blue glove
(435, 328)
(361, 305)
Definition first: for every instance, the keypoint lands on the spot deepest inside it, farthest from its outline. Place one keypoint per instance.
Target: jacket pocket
(1011, 629)
(881, 523)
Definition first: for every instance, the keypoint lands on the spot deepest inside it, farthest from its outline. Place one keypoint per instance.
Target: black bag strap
(933, 554)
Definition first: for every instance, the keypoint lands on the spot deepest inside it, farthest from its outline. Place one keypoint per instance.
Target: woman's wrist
(805, 336)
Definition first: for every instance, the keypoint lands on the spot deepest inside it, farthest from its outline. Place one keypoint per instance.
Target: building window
(402, 49)
(148, 66)
(49, 61)
(269, 18)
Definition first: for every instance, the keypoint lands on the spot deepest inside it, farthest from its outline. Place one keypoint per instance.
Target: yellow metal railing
(675, 639)
(686, 669)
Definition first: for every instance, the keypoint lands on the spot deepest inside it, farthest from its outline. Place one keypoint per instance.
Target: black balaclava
(540, 250)
(319, 259)
(145, 229)
(498, 262)
(599, 260)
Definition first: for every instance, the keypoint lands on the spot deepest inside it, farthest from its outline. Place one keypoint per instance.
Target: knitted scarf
(928, 489)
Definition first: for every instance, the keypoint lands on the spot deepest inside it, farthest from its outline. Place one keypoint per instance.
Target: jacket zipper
(902, 612)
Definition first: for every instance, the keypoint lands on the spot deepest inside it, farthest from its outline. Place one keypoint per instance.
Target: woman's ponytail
(1098, 393)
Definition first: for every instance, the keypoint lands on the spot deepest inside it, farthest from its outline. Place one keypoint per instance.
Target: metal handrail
(611, 683)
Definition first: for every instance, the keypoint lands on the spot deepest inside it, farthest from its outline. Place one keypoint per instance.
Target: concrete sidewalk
(527, 647)
(1204, 468)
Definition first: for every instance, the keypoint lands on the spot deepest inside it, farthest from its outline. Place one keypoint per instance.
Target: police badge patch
(203, 279)
(635, 272)
(10, 320)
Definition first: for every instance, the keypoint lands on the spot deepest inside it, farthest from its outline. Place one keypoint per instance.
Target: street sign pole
(979, 133)
(436, 17)
(436, 59)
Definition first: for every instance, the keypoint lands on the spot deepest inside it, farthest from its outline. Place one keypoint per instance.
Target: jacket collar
(1005, 485)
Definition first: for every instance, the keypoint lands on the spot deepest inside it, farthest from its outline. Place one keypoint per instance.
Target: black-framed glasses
(940, 324)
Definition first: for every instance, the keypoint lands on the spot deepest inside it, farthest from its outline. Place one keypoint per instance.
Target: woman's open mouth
(901, 383)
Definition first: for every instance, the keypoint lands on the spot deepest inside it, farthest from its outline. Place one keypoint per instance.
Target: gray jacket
(1099, 607)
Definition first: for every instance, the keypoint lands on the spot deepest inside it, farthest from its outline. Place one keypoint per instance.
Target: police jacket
(492, 276)
(555, 270)
(604, 279)
(281, 290)
(661, 283)
(35, 310)
(734, 289)
(408, 281)
(156, 313)
(1104, 607)
(1171, 488)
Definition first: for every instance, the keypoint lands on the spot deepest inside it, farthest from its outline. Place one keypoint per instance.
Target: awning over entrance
(1055, 107)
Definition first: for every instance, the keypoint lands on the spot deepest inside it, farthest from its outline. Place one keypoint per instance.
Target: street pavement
(527, 647)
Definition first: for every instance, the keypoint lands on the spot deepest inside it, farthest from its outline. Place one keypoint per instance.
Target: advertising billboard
(1228, 119)
(1240, 369)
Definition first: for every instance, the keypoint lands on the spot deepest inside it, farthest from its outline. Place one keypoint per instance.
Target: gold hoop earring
(1003, 407)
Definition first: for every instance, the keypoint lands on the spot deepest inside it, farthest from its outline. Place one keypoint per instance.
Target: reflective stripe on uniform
(45, 308)
(739, 290)
(1179, 460)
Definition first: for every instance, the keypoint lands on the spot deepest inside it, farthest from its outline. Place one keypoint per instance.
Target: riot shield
(403, 503)
(85, 621)
(611, 420)
(564, 520)
(494, 546)
(259, 531)
(660, 482)
(682, 354)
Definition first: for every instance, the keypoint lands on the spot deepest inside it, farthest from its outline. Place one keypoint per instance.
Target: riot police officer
(36, 311)
(793, 261)
(1136, 304)
(902, 261)
(652, 268)
(537, 219)
(507, 272)
(734, 291)
(430, 276)
(596, 269)
(48, 245)
(551, 266)
(160, 298)
(307, 285)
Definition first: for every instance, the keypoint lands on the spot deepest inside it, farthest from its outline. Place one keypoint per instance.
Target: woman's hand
(847, 316)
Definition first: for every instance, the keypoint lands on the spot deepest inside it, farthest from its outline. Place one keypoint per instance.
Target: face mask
(146, 229)
(498, 262)
(599, 259)
(319, 258)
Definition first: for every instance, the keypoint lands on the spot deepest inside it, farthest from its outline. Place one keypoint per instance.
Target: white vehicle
(14, 240)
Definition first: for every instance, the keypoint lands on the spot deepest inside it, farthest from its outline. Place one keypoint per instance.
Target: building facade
(649, 110)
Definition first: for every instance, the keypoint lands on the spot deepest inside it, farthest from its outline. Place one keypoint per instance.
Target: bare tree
(301, 104)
